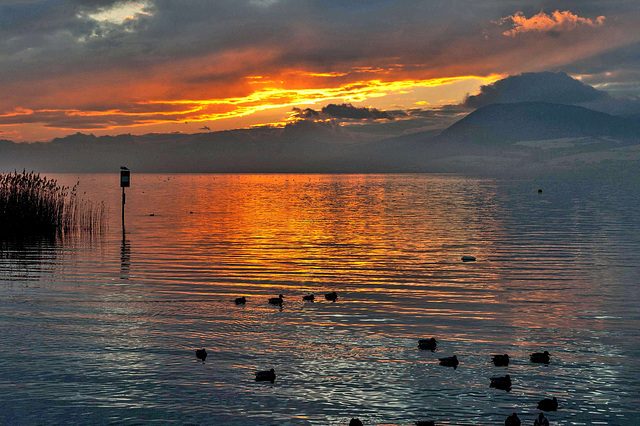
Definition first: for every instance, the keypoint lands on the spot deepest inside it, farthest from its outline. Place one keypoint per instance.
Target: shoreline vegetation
(32, 205)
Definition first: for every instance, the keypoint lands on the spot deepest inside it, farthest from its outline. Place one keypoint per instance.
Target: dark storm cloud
(543, 87)
(347, 112)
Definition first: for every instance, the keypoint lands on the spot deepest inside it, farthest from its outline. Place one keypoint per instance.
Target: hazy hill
(530, 121)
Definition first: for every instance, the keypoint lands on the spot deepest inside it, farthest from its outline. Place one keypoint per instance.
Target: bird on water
(309, 297)
(548, 404)
(512, 420)
(266, 376)
(201, 354)
(541, 421)
(428, 344)
(501, 360)
(450, 361)
(333, 296)
(503, 383)
(540, 357)
(276, 300)
(355, 422)
(241, 300)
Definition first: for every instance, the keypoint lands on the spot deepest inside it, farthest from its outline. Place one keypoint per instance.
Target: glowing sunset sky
(111, 67)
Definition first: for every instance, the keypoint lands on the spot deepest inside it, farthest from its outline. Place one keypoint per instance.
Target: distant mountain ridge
(522, 121)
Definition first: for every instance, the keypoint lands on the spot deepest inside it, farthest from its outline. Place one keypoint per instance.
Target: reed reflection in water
(107, 332)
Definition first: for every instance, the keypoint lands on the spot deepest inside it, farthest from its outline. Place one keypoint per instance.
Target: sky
(112, 67)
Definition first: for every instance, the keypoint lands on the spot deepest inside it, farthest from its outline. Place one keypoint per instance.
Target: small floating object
(428, 344)
(333, 296)
(355, 422)
(548, 404)
(241, 300)
(451, 361)
(276, 300)
(541, 421)
(309, 297)
(503, 383)
(426, 423)
(266, 376)
(513, 420)
(539, 191)
(540, 357)
(201, 354)
(501, 360)
(152, 214)
(468, 259)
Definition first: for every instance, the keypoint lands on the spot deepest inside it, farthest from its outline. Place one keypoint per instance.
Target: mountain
(530, 121)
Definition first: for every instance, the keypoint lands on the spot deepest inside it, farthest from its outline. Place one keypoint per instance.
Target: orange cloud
(555, 22)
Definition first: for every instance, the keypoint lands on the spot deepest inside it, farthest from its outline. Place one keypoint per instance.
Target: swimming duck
(333, 296)
(428, 344)
(426, 423)
(266, 376)
(512, 420)
(501, 360)
(201, 354)
(503, 383)
(276, 300)
(540, 357)
(241, 300)
(548, 404)
(541, 421)
(451, 361)
(309, 297)
(355, 422)
(468, 258)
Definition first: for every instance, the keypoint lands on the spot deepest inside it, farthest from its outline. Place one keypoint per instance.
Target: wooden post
(125, 181)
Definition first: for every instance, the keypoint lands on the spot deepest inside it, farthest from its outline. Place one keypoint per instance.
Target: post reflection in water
(125, 257)
(553, 272)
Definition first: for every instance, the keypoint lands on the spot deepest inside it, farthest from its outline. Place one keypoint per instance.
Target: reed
(34, 205)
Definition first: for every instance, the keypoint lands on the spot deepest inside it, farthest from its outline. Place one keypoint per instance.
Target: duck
(355, 422)
(503, 383)
(309, 297)
(241, 300)
(501, 360)
(426, 423)
(451, 361)
(276, 300)
(468, 258)
(541, 421)
(201, 354)
(428, 344)
(548, 404)
(512, 420)
(540, 357)
(266, 376)
(333, 296)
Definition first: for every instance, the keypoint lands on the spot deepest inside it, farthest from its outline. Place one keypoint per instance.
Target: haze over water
(104, 329)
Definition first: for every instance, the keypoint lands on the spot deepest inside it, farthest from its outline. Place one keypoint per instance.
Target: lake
(102, 329)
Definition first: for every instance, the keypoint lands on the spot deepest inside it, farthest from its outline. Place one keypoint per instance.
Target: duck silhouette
(309, 297)
(548, 404)
(503, 383)
(241, 300)
(501, 360)
(266, 376)
(512, 420)
(541, 421)
(540, 357)
(333, 296)
(276, 300)
(355, 422)
(201, 354)
(426, 423)
(451, 361)
(428, 344)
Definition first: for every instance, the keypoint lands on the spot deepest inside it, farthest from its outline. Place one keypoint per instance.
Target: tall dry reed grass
(34, 205)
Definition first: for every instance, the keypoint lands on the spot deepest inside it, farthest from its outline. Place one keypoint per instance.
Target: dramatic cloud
(541, 87)
(152, 65)
(555, 22)
(347, 112)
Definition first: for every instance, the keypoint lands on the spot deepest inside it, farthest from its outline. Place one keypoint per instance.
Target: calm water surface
(103, 330)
